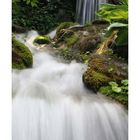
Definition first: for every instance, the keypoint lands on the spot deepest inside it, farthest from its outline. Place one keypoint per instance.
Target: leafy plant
(117, 15)
(37, 18)
(40, 15)
(122, 36)
(114, 13)
(123, 2)
(117, 91)
(33, 3)
(123, 88)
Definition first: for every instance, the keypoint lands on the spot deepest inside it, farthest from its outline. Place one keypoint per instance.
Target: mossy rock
(21, 55)
(110, 65)
(65, 33)
(62, 26)
(94, 80)
(88, 43)
(42, 40)
(97, 27)
(70, 41)
(103, 69)
(68, 54)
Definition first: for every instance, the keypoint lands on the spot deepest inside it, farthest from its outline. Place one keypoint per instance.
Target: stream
(50, 102)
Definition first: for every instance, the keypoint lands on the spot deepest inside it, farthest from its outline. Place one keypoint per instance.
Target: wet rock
(94, 80)
(87, 43)
(42, 40)
(21, 55)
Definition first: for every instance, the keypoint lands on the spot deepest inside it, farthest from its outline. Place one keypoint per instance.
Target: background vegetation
(42, 15)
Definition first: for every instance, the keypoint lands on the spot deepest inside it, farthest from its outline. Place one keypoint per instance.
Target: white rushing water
(52, 34)
(86, 10)
(50, 102)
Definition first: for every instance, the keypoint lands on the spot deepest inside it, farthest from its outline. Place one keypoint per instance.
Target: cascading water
(50, 102)
(86, 10)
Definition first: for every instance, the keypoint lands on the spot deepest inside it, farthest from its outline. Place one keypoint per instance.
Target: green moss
(21, 55)
(64, 34)
(64, 25)
(18, 66)
(95, 80)
(85, 57)
(109, 65)
(69, 54)
(71, 40)
(42, 40)
(106, 90)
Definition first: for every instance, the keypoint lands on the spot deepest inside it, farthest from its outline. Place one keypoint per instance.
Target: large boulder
(103, 69)
(88, 43)
(21, 55)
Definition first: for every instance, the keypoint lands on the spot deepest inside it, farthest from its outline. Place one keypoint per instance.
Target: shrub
(116, 91)
(33, 18)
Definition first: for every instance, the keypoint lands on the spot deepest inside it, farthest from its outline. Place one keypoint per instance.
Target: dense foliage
(114, 13)
(41, 15)
(117, 15)
(117, 91)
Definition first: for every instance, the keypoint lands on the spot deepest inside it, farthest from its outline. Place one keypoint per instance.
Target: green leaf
(125, 88)
(124, 82)
(113, 84)
(116, 89)
(122, 36)
(112, 13)
(117, 25)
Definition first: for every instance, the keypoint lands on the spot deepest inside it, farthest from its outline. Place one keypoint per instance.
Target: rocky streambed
(82, 43)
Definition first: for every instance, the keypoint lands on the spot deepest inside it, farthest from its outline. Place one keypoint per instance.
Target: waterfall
(50, 102)
(86, 10)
